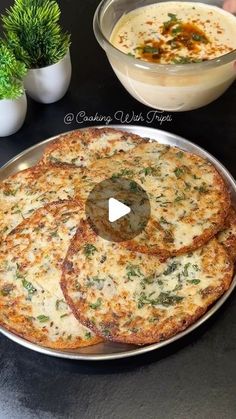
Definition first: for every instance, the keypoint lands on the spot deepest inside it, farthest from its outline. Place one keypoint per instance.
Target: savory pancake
(135, 298)
(81, 148)
(188, 198)
(32, 304)
(228, 236)
(24, 192)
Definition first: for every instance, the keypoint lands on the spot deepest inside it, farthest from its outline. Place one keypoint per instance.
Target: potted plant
(33, 31)
(13, 104)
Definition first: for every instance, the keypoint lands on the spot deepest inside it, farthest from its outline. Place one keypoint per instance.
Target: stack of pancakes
(63, 286)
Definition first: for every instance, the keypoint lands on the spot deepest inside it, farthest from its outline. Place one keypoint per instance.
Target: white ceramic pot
(49, 84)
(12, 115)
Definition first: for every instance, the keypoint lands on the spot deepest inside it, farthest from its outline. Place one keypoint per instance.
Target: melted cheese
(81, 148)
(136, 298)
(25, 192)
(187, 196)
(30, 263)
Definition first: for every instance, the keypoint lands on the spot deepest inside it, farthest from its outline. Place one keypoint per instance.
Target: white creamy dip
(174, 33)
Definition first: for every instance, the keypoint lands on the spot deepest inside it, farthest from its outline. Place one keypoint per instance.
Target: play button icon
(118, 209)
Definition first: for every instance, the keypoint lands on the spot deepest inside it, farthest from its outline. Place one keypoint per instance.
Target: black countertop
(192, 379)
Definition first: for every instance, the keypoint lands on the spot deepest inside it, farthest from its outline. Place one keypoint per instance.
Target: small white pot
(49, 84)
(12, 115)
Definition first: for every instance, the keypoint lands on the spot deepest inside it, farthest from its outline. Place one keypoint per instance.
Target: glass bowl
(170, 87)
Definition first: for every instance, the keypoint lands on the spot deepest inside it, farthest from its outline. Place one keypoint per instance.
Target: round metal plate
(105, 351)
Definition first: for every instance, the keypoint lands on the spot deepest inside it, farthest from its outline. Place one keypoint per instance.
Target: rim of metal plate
(109, 350)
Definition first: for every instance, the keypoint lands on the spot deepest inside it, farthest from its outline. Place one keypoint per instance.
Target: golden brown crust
(24, 192)
(23, 331)
(227, 237)
(31, 301)
(171, 328)
(119, 318)
(197, 241)
(17, 309)
(76, 148)
(188, 197)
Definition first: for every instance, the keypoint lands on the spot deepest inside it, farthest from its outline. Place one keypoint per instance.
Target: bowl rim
(139, 63)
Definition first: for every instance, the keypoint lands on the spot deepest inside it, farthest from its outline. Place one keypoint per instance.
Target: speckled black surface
(194, 378)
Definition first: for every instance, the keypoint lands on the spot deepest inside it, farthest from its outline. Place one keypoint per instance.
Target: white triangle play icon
(117, 210)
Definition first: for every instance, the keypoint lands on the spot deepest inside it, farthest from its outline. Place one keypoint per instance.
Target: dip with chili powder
(175, 33)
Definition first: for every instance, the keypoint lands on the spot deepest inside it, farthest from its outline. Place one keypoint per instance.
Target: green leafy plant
(34, 33)
(11, 73)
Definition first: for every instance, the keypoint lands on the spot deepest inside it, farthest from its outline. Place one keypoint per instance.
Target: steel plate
(106, 351)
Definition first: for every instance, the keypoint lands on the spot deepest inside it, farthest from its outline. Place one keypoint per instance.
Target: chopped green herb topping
(164, 299)
(149, 279)
(6, 289)
(179, 171)
(89, 250)
(186, 60)
(19, 275)
(147, 49)
(122, 173)
(4, 230)
(54, 159)
(180, 198)
(176, 30)
(55, 234)
(106, 332)
(201, 189)
(95, 281)
(163, 220)
(64, 315)
(180, 154)
(187, 185)
(59, 304)
(29, 287)
(172, 16)
(96, 305)
(171, 268)
(134, 186)
(172, 21)
(186, 268)
(194, 281)
(133, 270)
(10, 192)
(199, 38)
(42, 318)
(150, 171)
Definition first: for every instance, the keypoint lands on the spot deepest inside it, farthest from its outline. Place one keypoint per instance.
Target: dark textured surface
(194, 378)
